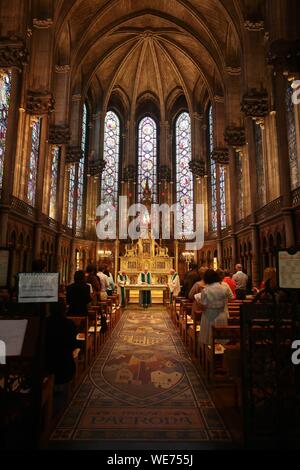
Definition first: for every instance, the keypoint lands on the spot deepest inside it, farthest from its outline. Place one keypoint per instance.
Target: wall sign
(38, 287)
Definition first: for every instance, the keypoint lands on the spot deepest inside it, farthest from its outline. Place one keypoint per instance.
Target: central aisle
(143, 388)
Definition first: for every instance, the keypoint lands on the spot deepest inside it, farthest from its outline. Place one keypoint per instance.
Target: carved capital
(254, 25)
(59, 135)
(129, 173)
(197, 168)
(164, 173)
(76, 97)
(221, 156)
(235, 136)
(13, 53)
(42, 23)
(284, 55)
(62, 68)
(255, 103)
(39, 102)
(74, 154)
(96, 167)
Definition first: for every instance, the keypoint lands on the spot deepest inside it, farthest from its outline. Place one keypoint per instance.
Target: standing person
(229, 296)
(174, 284)
(104, 283)
(196, 289)
(78, 295)
(122, 281)
(241, 280)
(93, 280)
(232, 284)
(190, 278)
(111, 282)
(145, 295)
(212, 301)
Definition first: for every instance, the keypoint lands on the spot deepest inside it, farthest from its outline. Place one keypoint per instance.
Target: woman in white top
(212, 300)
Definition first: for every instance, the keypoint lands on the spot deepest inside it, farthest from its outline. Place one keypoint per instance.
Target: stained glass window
(71, 194)
(213, 171)
(147, 157)
(5, 86)
(33, 160)
(223, 197)
(55, 152)
(240, 187)
(260, 166)
(292, 141)
(184, 177)
(110, 175)
(81, 166)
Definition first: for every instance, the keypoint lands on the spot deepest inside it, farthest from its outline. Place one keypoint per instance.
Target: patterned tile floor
(143, 389)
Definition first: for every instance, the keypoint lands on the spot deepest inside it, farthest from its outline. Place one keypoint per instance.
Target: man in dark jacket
(190, 278)
(78, 295)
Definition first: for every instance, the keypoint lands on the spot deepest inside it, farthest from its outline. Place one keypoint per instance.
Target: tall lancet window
(5, 86)
(110, 175)
(213, 171)
(184, 177)
(33, 160)
(240, 186)
(292, 139)
(71, 194)
(147, 157)
(55, 154)
(223, 197)
(260, 165)
(81, 167)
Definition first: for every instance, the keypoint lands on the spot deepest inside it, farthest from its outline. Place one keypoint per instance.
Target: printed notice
(38, 287)
(289, 270)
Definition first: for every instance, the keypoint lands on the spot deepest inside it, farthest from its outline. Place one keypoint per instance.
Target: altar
(147, 253)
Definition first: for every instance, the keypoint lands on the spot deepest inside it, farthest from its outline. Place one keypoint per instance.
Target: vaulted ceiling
(158, 48)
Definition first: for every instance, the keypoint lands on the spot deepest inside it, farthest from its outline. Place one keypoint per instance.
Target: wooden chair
(186, 320)
(82, 323)
(219, 333)
(94, 327)
(193, 333)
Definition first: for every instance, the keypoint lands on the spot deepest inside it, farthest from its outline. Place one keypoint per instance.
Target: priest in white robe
(174, 284)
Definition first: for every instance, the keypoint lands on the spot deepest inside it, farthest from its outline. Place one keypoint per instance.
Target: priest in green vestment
(122, 281)
(145, 295)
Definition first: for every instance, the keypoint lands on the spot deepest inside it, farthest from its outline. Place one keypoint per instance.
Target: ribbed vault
(157, 46)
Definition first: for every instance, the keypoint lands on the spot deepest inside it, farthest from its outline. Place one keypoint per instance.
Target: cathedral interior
(193, 102)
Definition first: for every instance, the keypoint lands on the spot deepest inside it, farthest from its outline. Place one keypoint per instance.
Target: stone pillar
(255, 255)
(176, 254)
(116, 254)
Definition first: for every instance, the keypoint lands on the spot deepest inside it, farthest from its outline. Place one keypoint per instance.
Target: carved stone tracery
(13, 53)
(221, 156)
(59, 135)
(235, 136)
(255, 103)
(74, 154)
(96, 168)
(39, 102)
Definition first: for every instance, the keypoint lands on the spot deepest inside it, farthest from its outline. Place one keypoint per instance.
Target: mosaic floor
(142, 387)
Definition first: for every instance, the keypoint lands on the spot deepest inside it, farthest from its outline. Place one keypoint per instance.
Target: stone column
(255, 255)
